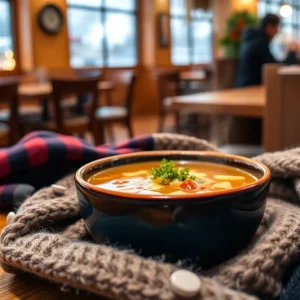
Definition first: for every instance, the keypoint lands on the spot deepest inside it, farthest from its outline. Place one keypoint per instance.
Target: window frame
(190, 37)
(103, 10)
(14, 17)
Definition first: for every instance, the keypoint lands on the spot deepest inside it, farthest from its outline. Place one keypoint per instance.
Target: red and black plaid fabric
(42, 157)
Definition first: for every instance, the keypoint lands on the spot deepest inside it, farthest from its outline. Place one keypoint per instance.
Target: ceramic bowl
(204, 227)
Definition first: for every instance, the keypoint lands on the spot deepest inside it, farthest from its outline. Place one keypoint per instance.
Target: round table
(44, 90)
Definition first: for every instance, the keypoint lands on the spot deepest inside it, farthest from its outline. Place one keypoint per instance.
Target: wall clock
(50, 19)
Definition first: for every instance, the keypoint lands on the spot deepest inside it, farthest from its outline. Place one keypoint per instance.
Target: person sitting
(254, 51)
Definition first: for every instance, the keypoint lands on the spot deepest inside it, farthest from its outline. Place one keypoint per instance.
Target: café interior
(162, 67)
(110, 70)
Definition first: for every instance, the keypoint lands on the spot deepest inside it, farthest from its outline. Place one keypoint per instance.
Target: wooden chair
(196, 80)
(120, 112)
(73, 103)
(224, 75)
(240, 135)
(168, 86)
(28, 113)
(9, 96)
(74, 124)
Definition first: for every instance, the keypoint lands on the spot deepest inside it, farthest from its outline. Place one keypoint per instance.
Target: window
(7, 61)
(290, 26)
(102, 33)
(191, 41)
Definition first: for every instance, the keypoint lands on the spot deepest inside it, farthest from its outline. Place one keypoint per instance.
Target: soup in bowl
(183, 205)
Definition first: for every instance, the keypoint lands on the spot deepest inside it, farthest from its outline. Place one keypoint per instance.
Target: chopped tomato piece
(189, 185)
(120, 181)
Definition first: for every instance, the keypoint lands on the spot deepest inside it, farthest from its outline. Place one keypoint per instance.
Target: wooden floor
(142, 125)
(148, 124)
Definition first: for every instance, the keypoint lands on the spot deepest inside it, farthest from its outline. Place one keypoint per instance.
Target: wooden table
(247, 102)
(43, 91)
(244, 102)
(25, 286)
(32, 90)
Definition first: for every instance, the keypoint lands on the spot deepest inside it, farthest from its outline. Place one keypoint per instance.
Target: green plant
(237, 22)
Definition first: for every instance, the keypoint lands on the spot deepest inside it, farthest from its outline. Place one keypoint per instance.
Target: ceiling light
(286, 10)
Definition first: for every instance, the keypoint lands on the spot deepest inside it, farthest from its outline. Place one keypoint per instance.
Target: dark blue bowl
(204, 227)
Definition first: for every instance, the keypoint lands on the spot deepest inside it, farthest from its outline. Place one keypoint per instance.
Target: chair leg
(23, 129)
(81, 135)
(11, 138)
(99, 134)
(177, 121)
(110, 132)
(161, 121)
(13, 134)
(129, 127)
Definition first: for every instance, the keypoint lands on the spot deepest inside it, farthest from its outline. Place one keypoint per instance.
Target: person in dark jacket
(254, 51)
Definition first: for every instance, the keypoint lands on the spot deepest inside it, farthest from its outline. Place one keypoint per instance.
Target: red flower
(235, 36)
(241, 23)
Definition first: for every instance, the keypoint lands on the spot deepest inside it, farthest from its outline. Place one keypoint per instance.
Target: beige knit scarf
(48, 238)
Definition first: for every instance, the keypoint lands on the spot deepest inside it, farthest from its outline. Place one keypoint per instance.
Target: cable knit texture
(35, 242)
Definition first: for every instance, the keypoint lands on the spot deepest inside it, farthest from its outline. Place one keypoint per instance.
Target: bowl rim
(143, 197)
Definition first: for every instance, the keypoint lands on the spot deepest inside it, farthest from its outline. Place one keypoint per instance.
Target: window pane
(86, 35)
(201, 14)
(7, 61)
(202, 41)
(273, 8)
(262, 8)
(121, 40)
(93, 3)
(279, 44)
(178, 7)
(180, 47)
(121, 4)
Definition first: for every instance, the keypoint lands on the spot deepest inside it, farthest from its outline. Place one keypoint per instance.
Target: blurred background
(197, 40)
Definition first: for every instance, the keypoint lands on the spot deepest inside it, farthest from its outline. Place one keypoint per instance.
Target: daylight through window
(102, 33)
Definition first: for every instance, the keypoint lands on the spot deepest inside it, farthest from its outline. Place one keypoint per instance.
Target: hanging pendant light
(286, 10)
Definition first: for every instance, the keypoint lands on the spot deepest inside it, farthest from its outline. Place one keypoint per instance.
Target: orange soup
(171, 178)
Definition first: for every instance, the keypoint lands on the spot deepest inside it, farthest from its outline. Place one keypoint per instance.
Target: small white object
(286, 10)
(185, 283)
(58, 189)
(10, 217)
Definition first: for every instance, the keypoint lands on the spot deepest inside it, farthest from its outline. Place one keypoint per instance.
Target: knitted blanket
(48, 238)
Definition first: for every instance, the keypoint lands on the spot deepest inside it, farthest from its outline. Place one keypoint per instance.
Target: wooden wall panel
(290, 131)
(281, 120)
(49, 51)
(273, 111)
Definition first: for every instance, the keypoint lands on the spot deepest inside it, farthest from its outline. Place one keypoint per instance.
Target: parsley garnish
(168, 172)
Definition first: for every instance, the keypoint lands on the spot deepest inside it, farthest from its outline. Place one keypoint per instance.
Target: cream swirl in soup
(171, 178)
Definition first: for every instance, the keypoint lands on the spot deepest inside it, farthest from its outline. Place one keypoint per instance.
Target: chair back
(225, 74)
(78, 86)
(168, 85)
(124, 81)
(44, 74)
(130, 93)
(9, 96)
(73, 73)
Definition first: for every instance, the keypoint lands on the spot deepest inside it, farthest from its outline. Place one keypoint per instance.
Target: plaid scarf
(42, 157)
